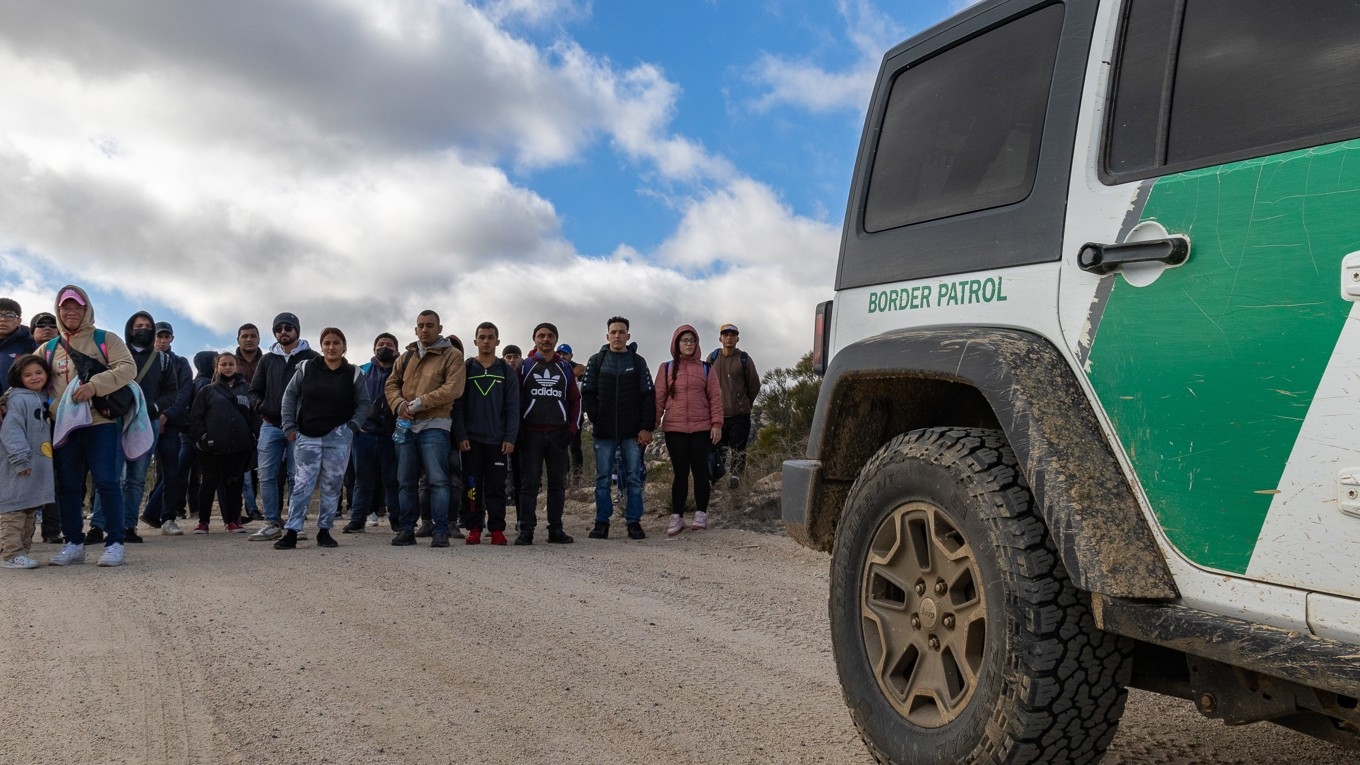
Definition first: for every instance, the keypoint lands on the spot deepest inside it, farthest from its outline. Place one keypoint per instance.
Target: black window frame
(1020, 233)
(1160, 167)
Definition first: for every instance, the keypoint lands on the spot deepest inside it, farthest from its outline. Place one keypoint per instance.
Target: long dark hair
(16, 371)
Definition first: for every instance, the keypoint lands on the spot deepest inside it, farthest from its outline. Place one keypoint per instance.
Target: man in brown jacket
(740, 384)
(424, 383)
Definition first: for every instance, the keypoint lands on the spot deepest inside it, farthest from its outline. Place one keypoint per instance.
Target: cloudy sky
(356, 161)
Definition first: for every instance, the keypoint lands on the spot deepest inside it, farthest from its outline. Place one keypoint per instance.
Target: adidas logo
(547, 384)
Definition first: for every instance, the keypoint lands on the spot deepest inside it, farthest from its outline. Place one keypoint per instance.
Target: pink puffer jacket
(688, 397)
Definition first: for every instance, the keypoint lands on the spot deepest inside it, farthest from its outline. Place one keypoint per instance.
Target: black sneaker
(56, 540)
(635, 531)
(131, 536)
(456, 533)
(425, 530)
(524, 539)
(324, 538)
(94, 536)
(287, 542)
(148, 520)
(439, 539)
(559, 537)
(404, 539)
(255, 515)
(601, 530)
(354, 527)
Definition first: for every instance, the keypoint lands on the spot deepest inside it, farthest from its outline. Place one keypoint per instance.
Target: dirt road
(711, 648)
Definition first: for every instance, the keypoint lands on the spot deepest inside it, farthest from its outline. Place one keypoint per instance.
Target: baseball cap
(728, 328)
(564, 348)
(42, 320)
(164, 326)
(70, 294)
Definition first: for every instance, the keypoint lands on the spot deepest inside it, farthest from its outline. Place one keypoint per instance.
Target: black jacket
(220, 421)
(271, 379)
(617, 394)
(16, 344)
(160, 383)
(488, 410)
(177, 416)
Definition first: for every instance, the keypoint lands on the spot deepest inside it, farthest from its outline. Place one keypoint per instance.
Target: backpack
(745, 360)
(665, 374)
(114, 405)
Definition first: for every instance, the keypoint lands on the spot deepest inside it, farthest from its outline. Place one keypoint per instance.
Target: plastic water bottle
(403, 430)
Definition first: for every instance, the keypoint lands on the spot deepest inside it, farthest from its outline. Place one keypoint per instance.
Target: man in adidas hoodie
(266, 397)
(550, 405)
(160, 386)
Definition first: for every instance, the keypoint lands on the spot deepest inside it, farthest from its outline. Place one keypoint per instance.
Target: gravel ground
(709, 648)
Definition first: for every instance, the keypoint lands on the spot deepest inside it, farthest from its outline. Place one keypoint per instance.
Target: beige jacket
(430, 384)
(121, 368)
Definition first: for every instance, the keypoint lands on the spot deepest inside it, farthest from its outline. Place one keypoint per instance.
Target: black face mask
(385, 355)
(143, 338)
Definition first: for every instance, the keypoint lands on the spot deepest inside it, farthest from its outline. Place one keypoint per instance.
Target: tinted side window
(962, 129)
(1251, 77)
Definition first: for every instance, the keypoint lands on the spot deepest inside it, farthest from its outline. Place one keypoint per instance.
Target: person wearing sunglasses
(266, 397)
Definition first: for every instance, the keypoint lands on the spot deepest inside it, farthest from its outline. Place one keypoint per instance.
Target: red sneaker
(498, 537)
(201, 528)
(474, 537)
(236, 528)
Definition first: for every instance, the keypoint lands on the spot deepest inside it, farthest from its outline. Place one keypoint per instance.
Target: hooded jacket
(488, 410)
(617, 393)
(203, 365)
(121, 368)
(177, 416)
(26, 444)
(688, 394)
(380, 420)
(271, 379)
(549, 396)
(160, 384)
(16, 344)
(437, 379)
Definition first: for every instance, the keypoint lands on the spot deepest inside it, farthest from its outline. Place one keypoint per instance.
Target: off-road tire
(1048, 685)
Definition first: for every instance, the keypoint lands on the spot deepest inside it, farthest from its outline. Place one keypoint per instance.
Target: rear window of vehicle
(962, 129)
(1202, 82)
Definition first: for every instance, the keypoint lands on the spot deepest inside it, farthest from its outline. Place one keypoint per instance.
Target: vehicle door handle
(1103, 259)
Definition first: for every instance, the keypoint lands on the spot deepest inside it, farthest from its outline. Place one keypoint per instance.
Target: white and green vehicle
(1091, 409)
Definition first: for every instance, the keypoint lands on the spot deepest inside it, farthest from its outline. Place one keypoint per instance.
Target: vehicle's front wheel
(958, 636)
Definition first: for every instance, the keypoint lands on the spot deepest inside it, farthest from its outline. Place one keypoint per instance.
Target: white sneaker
(270, 531)
(171, 529)
(302, 536)
(700, 521)
(19, 561)
(676, 526)
(373, 519)
(71, 553)
(113, 555)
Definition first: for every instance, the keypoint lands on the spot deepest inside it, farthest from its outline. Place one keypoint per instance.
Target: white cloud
(805, 84)
(343, 161)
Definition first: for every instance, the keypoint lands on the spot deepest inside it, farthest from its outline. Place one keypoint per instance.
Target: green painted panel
(1208, 372)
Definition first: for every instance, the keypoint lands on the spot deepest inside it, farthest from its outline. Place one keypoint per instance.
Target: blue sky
(510, 160)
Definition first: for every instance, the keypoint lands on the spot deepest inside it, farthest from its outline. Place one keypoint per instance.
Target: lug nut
(949, 621)
(934, 643)
(940, 588)
(916, 622)
(920, 588)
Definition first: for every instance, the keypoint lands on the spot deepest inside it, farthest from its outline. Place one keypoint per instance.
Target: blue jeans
(93, 450)
(132, 482)
(428, 449)
(273, 447)
(375, 474)
(167, 472)
(248, 494)
(632, 478)
(319, 459)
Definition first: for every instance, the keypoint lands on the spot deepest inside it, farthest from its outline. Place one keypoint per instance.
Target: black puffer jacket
(220, 421)
(617, 394)
(271, 379)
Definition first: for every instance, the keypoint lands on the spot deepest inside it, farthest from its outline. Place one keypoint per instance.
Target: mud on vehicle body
(1090, 413)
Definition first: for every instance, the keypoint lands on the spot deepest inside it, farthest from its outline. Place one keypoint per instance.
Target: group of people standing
(435, 437)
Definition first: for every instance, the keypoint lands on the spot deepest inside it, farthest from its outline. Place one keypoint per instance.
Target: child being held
(25, 460)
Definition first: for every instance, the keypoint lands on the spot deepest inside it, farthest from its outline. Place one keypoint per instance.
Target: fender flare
(1014, 380)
